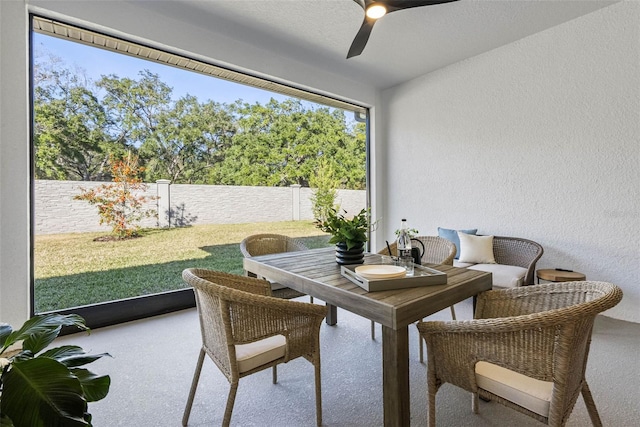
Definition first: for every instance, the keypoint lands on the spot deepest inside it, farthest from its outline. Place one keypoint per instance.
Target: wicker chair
(527, 349)
(245, 330)
(519, 252)
(265, 244)
(436, 251)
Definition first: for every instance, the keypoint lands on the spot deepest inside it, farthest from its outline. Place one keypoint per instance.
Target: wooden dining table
(316, 273)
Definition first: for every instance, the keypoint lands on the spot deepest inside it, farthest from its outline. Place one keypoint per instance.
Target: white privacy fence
(183, 204)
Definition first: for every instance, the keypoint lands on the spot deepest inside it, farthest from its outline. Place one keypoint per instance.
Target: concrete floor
(154, 359)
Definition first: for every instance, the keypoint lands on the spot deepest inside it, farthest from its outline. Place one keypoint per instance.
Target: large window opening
(146, 163)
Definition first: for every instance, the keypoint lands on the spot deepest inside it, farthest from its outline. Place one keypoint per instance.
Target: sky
(97, 62)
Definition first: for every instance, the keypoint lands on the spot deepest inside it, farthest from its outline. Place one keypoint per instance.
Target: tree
(119, 204)
(282, 143)
(135, 106)
(184, 140)
(70, 138)
(177, 140)
(190, 138)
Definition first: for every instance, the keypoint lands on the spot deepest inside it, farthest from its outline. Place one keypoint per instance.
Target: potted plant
(348, 234)
(46, 387)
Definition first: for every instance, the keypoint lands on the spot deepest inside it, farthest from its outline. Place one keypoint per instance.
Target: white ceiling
(403, 45)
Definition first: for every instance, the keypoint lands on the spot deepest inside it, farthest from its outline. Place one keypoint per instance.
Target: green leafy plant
(351, 231)
(324, 196)
(119, 203)
(46, 387)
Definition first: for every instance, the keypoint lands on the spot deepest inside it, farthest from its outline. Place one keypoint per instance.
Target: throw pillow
(476, 249)
(452, 236)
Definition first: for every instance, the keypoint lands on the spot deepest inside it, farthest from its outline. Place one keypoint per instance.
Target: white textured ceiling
(403, 45)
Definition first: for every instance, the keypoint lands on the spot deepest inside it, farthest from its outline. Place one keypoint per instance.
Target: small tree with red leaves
(121, 203)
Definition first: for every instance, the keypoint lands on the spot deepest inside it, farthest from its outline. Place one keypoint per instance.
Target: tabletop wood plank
(316, 273)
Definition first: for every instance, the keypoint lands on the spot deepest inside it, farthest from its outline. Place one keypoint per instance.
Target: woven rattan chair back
(436, 250)
(265, 244)
(519, 252)
(541, 331)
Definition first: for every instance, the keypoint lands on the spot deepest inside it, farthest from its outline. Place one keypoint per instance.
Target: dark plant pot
(345, 256)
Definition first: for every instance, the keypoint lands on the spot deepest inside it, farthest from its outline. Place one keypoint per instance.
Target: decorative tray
(422, 276)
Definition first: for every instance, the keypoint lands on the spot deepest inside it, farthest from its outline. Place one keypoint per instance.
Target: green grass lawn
(73, 270)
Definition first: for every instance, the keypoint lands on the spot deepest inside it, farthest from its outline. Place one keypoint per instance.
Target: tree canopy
(79, 124)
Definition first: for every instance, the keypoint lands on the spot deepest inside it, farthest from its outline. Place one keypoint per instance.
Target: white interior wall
(537, 139)
(116, 18)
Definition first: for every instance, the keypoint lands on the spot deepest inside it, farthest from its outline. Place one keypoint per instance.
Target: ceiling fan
(376, 9)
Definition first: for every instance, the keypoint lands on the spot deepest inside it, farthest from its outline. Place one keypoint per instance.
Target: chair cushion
(252, 355)
(504, 276)
(532, 394)
(452, 236)
(476, 249)
(459, 264)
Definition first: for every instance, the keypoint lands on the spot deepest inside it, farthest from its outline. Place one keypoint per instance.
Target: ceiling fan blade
(360, 41)
(393, 5)
(362, 37)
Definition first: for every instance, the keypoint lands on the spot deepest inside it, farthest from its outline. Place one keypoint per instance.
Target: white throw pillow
(476, 249)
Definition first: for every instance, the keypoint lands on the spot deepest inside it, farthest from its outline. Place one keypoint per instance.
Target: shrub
(324, 195)
(120, 204)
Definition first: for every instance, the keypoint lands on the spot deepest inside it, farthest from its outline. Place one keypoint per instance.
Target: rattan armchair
(245, 330)
(527, 349)
(519, 252)
(436, 251)
(265, 244)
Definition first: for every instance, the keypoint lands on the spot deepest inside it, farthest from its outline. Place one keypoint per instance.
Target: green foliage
(79, 125)
(324, 195)
(351, 231)
(46, 388)
(283, 143)
(70, 131)
(120, 204)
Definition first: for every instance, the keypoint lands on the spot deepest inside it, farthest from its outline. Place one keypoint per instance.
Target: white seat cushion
(250, 356)
(532, 394)
(459, 264)
(504, 276)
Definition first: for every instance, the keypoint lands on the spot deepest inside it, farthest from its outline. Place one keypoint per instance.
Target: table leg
(395, 376)
(332, 315)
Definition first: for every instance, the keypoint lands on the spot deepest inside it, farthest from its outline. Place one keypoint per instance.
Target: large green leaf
(71, 355)
(43, 392)
(95, 387)
(39, 340)
(5, 331)
(5, 421)
(41, 330)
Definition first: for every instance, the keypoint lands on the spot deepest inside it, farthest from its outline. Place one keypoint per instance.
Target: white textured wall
(14, 165)
(537, 139)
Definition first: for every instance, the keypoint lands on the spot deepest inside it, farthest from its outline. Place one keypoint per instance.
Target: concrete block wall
(181, 204)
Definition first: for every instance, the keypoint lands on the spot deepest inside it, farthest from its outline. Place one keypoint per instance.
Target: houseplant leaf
(72, 356)
(45, 324)
(95, 386)
(5, 331)
(41, 389)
